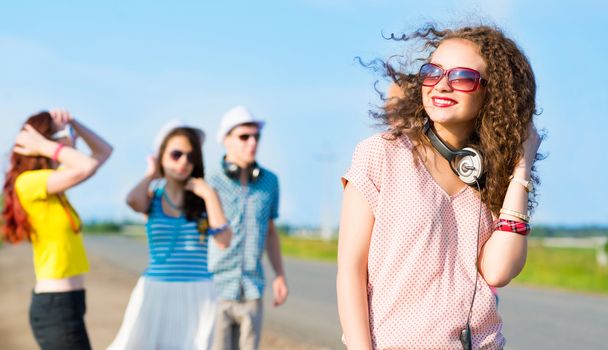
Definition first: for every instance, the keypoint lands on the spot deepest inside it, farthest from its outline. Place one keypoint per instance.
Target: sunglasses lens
(245, 137)
(463, 79)
(430, 74)
(175, 155)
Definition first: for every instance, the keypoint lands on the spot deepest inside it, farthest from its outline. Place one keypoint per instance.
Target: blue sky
(126, 67)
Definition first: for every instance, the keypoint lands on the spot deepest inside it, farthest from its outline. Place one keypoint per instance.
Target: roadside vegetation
(574, 269)
(568, 268)
(102, 227)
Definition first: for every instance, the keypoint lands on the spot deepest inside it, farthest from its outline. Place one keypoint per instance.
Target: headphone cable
(465, 335)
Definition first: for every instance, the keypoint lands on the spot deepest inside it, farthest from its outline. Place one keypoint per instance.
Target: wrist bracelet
(522, 228)
(57, 150)
(528, 185)
(524, 217)
(215, 231)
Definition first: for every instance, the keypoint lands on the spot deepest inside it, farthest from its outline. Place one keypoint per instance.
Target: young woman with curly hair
(37, 209)
(424, 237)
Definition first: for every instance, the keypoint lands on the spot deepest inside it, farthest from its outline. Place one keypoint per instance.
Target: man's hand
(280, 290)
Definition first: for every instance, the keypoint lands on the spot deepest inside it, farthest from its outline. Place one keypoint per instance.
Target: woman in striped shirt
(173, 304)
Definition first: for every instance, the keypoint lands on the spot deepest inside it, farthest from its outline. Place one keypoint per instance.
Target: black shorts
(57, 320)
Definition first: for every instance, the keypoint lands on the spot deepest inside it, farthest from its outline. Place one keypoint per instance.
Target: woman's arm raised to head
(356, 224)
(503, 256)
(215, 212)
(77, 166)
(139, 197)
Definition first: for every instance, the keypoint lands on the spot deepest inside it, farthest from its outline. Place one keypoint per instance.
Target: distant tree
(560, 231)
(107, 226)
(284, 229)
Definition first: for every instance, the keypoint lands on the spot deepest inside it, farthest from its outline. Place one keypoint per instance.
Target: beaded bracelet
(522, 228)
(215, 231)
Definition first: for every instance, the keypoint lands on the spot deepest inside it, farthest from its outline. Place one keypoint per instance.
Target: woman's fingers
(152, 169)
(29, 128)
(61, 117)
(21, 150)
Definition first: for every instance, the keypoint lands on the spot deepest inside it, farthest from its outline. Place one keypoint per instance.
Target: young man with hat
(250, 197)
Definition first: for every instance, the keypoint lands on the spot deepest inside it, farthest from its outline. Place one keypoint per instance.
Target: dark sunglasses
(177, 155)
(245, 137)
(459, 78)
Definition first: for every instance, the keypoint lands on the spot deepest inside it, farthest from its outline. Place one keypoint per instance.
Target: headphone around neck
(467, 163)
(233, 171)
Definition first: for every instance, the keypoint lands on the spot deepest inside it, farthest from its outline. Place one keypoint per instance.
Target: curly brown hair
(502, 124)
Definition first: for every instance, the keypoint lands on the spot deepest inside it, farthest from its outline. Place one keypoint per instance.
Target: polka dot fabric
(421, 264)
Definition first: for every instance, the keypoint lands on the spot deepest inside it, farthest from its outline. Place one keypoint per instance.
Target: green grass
(102, 227)
(573, 269)
(309, 248)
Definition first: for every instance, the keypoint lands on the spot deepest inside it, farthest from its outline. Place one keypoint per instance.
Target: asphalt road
(534, 318)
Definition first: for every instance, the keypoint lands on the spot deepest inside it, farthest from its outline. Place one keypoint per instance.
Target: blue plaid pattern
(248, 210)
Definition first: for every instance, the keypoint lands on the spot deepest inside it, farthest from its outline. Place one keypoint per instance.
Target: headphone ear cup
(470, 167)
(231, 170)
(255, 173)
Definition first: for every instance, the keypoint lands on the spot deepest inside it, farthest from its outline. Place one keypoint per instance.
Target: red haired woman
(37, 209)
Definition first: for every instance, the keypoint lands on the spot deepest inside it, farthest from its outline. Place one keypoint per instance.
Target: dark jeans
(57, 320)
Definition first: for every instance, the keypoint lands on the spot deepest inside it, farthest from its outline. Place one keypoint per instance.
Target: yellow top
(58, 250)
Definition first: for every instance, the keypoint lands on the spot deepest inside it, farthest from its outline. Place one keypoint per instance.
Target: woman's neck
(456, 136)
(238, 162)
(175, 189)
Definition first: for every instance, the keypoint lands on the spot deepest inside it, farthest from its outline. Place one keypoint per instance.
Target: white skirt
(168, 316)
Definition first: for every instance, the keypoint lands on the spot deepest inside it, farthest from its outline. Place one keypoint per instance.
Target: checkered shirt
(238, 270)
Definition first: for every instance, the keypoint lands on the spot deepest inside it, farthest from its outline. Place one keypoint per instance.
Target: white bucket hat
(236, 116)
(174, 124)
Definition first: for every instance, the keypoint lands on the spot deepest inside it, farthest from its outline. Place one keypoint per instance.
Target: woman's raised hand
(199, 187)
(29, 142)
(61, 117)
(152, 170)
(530, 147)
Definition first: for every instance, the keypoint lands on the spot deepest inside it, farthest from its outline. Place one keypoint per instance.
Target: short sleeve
(32, 185)
(274, 209)
(156, 186)
(366, 169)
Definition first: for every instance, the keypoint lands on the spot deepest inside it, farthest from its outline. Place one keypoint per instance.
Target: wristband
(215, 231)
(57, 150)
(522, 228)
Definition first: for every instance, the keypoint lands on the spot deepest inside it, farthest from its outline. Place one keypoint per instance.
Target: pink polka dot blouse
(421, 263)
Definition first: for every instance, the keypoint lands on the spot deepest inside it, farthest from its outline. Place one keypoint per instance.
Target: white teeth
(443, 101)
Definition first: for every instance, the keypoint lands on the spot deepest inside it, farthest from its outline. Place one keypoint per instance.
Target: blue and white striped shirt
(175, 248)
(237, 270)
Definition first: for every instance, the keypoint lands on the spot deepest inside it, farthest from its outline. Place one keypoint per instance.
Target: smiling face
(445, 106)
(177, 158)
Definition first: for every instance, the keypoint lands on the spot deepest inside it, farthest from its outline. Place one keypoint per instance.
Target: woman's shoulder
(32, 177)
(383, 143)
(36, 172)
